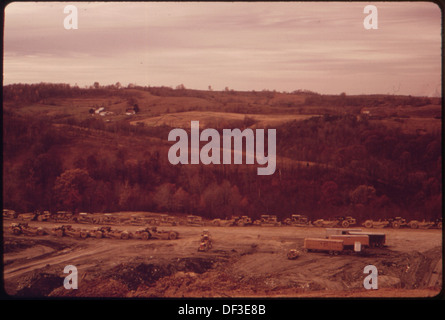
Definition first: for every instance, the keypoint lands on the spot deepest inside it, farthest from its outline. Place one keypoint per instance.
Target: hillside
(105, 149)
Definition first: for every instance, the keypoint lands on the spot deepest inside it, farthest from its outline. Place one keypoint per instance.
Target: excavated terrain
(244, 262)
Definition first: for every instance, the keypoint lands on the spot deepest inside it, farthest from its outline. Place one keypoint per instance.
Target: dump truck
(323, 245)
(375, 239)
(24, 228)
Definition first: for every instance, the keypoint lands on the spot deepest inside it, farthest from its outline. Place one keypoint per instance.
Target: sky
(284, 46)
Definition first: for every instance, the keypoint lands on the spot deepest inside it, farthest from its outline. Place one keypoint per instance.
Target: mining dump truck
(297, 220)
(323, 245)
(69, 231)
(24, 228)
(205, 243)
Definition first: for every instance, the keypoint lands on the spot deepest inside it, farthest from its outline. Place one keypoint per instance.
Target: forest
(328, 165)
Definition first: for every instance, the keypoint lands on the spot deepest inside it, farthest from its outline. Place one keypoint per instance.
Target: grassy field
(209, 119)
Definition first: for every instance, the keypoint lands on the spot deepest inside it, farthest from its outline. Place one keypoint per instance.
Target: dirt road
(244, 261)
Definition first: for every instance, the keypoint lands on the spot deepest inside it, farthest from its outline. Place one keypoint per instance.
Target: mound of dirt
(39, 284)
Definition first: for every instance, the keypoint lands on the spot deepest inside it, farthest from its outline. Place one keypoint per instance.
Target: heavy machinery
(339, 221)
(69, 231)
(293, 254)
(297, 220)
(221, 223)
(62, 216)
(376, 224)
(164, 235)
(416, 224)
(267, 220)
(194, 220)
(398, 222)
(347, 221)
(107, 232)
(143, 234)
(85, 217)
(240, 221)
(325, 223)
(166, 220)
(205, 243)
(9, 214)
(24, 228)
(42, 216)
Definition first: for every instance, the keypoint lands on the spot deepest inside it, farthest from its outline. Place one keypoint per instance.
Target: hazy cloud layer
(320, 46)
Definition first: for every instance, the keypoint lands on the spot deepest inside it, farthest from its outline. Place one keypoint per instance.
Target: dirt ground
(244, 262)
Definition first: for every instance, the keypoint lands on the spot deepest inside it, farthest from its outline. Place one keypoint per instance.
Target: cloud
(275, 45)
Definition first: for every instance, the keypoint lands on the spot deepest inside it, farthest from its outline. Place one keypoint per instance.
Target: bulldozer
(25, 229)
(205, 243)
(293, 254)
